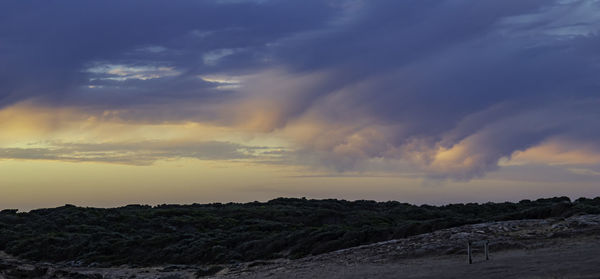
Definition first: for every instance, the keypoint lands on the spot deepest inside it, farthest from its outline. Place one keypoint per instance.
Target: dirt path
(573, 259)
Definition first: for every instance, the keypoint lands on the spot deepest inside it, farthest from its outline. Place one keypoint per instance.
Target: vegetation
(224, 233)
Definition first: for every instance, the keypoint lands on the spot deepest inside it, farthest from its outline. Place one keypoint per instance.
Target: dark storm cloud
(46, 45)
(453, 86)
(453, 57)
(480, 80)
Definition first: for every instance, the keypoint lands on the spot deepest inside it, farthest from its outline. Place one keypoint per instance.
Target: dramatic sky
(105, 103)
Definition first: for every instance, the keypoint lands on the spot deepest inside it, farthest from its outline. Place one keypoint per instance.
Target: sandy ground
(567, 259)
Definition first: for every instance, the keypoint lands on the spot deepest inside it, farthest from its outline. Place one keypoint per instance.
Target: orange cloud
(556, 153)
(31, 131)
(28, 121)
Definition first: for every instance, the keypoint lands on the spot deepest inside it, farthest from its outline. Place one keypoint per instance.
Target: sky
(107, 103)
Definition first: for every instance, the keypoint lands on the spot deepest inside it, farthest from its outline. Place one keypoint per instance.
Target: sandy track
(567, 259)
(551, 248)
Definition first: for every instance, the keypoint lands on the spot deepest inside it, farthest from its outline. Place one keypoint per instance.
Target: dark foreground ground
(570, 259)
(548, 248)
(552, 248)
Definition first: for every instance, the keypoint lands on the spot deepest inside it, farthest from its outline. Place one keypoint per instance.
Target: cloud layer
(448, 88)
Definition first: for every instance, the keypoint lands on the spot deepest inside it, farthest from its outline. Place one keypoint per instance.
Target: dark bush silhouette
(223, 233)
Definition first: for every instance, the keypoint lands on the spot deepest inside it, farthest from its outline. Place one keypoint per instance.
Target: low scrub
(226, 233)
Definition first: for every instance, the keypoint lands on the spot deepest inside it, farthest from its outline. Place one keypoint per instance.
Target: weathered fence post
(486, 249)
(469, 252)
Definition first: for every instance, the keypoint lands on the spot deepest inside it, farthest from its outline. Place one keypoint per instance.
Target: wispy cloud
(584, 171)
(125, 72)
(141, 153)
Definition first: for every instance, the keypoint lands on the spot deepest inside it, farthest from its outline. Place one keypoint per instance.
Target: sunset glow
(217, 101)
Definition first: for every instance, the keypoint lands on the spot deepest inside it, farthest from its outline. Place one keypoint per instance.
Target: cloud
(124, 72)
(140, 153)
(45, 55)
(454, 89)
(453, 96)
(584, 172)
(558, 152)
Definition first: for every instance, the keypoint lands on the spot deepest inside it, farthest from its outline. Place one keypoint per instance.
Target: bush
(224, 233)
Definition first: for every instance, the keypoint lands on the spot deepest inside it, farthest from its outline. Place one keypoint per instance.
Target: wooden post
(487, 249)
(469, 252)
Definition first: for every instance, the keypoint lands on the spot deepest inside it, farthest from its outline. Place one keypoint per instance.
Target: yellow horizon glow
(27, 123)
(39, 182)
